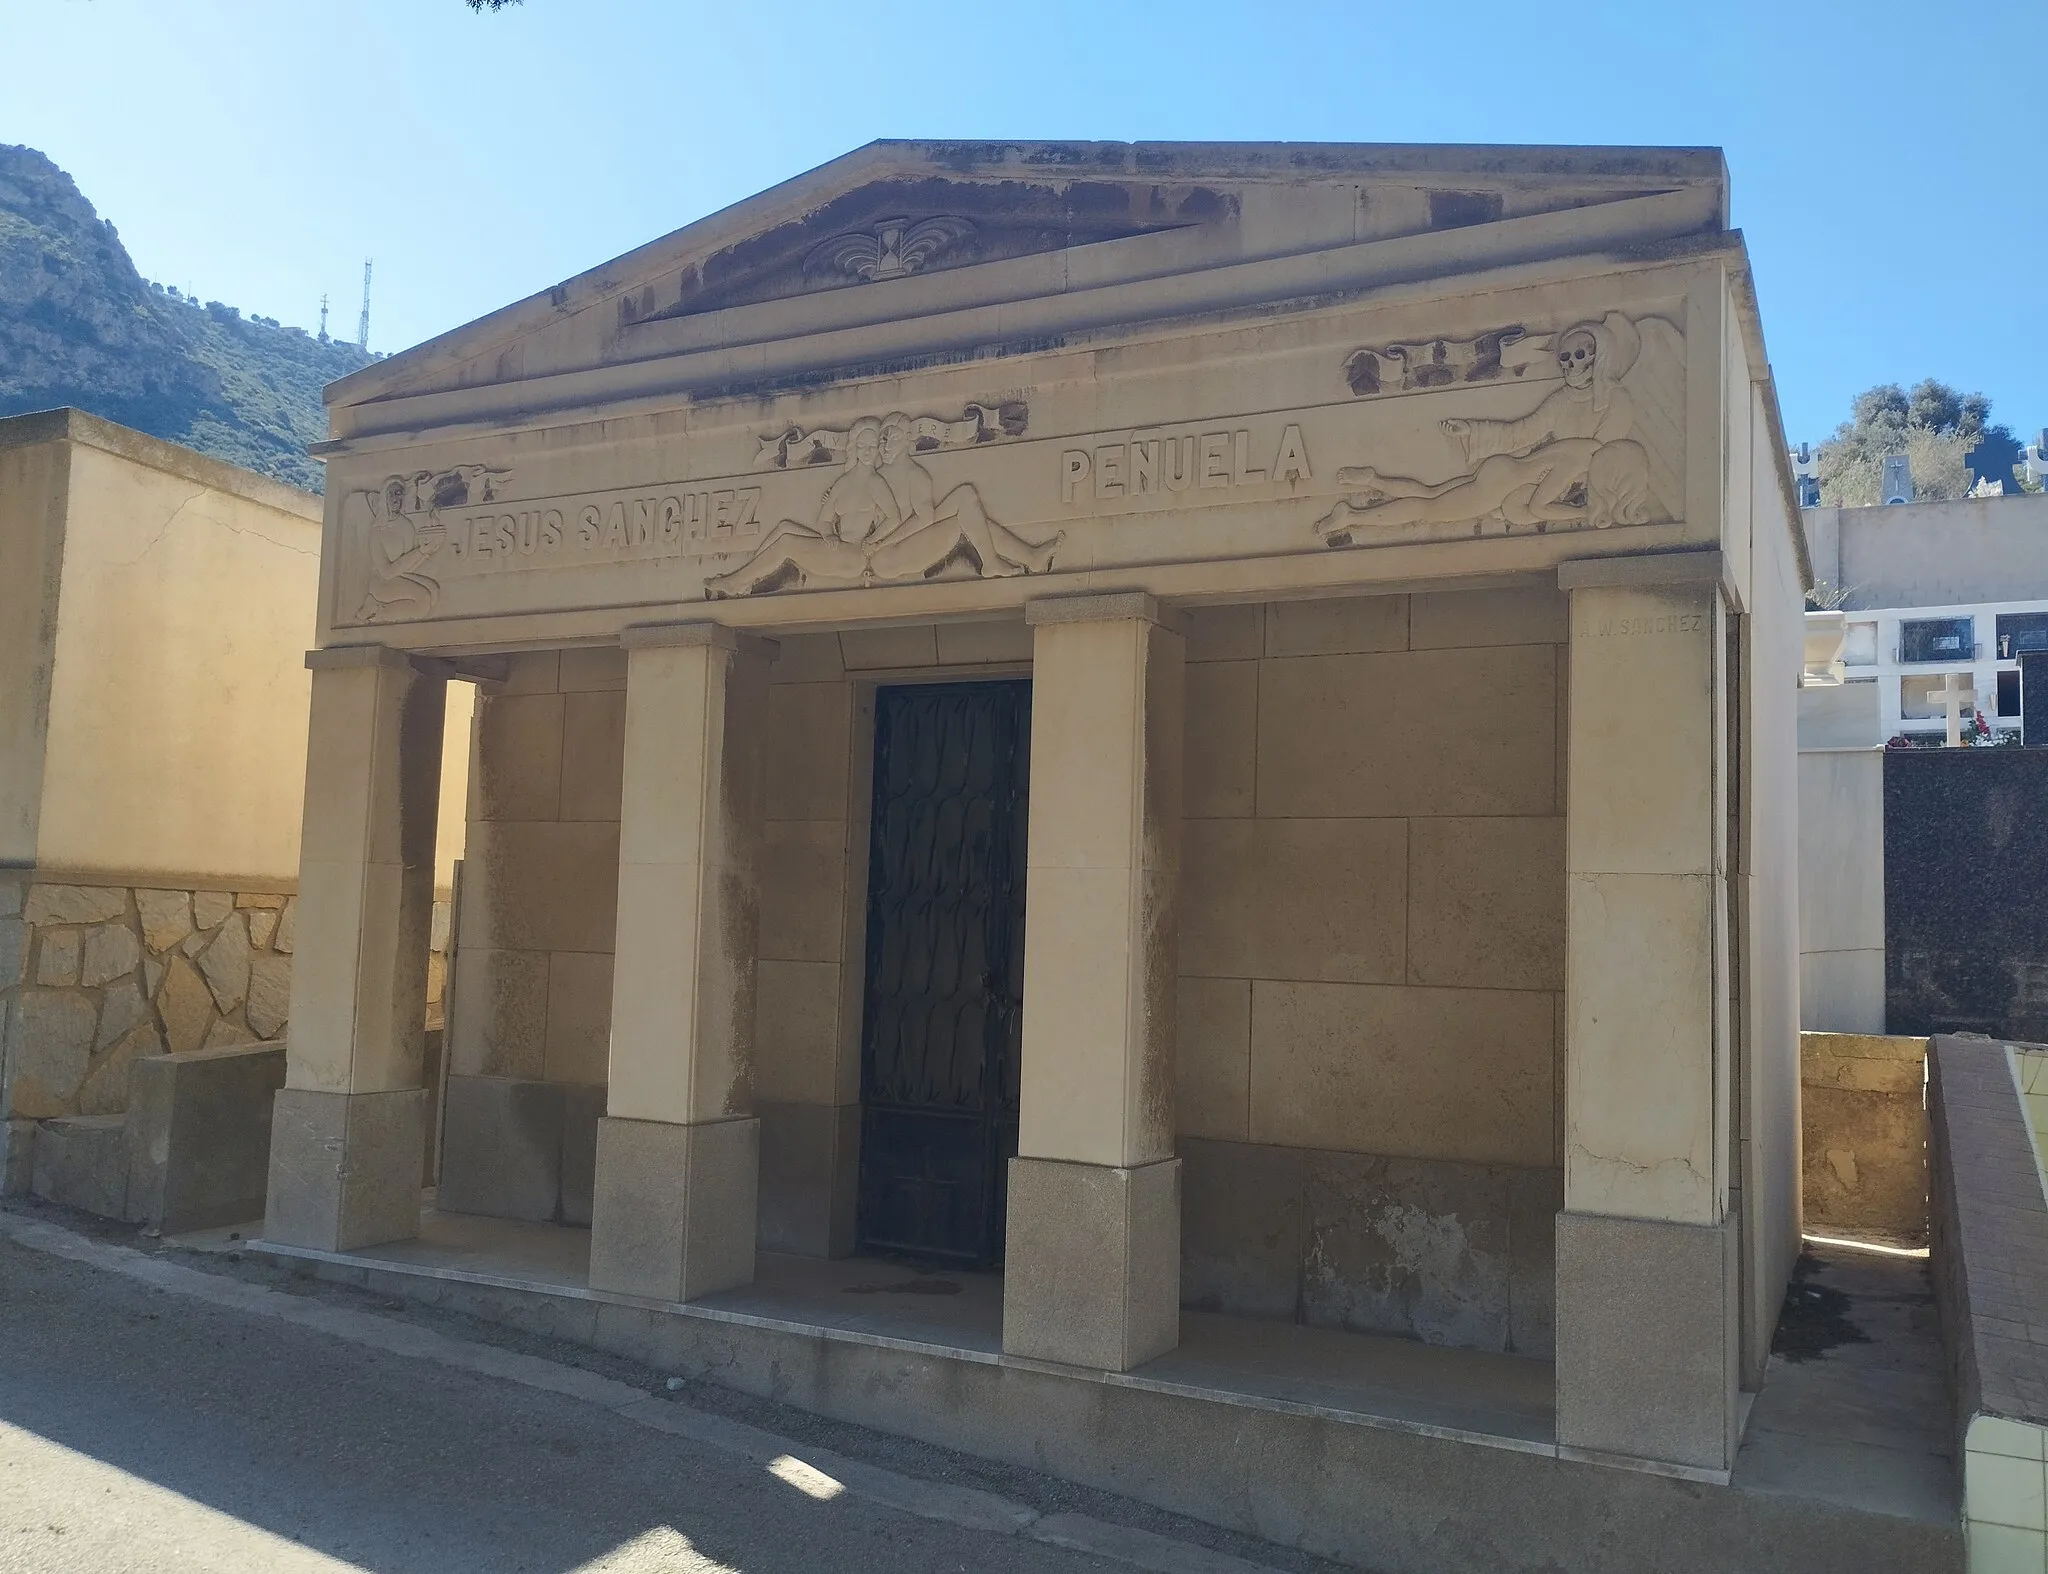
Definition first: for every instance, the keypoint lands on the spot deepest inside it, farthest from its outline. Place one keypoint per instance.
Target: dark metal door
(945, 968)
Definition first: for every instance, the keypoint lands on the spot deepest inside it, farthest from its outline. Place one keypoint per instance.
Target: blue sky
(1890, 162)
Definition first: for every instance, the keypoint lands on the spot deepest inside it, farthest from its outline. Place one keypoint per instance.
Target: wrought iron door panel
(943, 1011)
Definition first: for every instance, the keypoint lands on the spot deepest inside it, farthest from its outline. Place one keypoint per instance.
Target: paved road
(142, 1430)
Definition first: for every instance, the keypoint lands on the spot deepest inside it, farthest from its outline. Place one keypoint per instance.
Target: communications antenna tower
(323, 319)
(363, 322)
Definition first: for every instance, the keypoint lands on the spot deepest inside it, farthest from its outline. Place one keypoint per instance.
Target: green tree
(1934, 426)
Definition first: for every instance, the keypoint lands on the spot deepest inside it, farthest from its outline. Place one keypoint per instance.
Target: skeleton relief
(882, 519)
(1595, 451)
(399, 526)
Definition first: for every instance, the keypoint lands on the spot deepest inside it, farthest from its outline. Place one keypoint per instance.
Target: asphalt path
(143, 1429)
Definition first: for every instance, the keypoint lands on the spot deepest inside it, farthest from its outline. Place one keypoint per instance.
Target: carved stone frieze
(888, 249)
(794, 446)
(1442, 363)
(1596, 450)
(881, 518)
(398, 524)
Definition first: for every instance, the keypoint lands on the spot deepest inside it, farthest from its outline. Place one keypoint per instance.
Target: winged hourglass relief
(1599, 449)
(398, 524)
(883, 518)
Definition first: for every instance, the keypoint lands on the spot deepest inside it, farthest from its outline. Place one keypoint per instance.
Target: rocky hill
(79, 326)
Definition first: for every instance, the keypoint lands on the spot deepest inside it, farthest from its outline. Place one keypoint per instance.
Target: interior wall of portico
(530, 1021)
(813, 894)
(1372, 964)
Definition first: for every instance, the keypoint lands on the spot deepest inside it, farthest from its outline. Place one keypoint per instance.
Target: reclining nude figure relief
(882, 520)
(1570, 461)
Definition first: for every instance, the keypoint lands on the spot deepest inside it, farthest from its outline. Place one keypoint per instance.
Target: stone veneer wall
(1372, 964)
(94, 977)
(530, 1025)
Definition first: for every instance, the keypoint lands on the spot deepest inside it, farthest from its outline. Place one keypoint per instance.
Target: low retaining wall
(1864, 1136)
(94, 978)
(1990, 1259)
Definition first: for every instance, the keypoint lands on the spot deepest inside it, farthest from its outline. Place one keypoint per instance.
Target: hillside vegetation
(79, 326)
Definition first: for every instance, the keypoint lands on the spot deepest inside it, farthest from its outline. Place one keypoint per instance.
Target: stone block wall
(1863, 1111)
(1372, 964)
(813, 886)
(530, 1025)
(95, 977)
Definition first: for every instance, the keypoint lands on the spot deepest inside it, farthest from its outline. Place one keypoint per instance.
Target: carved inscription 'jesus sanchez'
(607, 527)
(1173, 462)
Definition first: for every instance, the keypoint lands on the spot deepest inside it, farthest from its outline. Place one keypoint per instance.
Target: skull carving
(1575, 353)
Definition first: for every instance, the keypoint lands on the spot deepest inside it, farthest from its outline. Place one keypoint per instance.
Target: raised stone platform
(1381, 1452)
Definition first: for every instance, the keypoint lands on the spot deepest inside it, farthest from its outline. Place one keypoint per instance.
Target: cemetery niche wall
(1377, 910)
(1965, 863)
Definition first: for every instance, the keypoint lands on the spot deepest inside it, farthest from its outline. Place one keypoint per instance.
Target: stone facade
(1398, 548)
(96, 977)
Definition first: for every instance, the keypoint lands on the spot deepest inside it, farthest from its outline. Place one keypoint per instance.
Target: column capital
(1643, 571)
(656, 636)
(1115, 606)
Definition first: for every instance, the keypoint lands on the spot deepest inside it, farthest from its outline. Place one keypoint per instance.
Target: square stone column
(1092, 1260)
(678, 1152)
(350, 1122)
(1647, 1252)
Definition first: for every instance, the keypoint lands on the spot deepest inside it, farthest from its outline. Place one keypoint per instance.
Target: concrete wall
(1841, 890)
(1933, 554)
(530, 1018)
(155, 606)
(178, 697)
(1372, 963)
(34, 485)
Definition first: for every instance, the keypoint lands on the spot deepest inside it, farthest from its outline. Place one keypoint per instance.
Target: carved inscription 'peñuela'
(1165, 463)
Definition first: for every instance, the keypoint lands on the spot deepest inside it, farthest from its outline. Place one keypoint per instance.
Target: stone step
(81, 1161)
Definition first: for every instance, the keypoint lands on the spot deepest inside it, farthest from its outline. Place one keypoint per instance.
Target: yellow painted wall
(178, 692)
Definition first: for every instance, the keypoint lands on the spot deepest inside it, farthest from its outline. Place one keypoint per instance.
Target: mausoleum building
(1207, 728)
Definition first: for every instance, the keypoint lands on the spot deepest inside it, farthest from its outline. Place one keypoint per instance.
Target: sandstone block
(194, 943)
(211, 908)
(259, 900)
(121, 1007)
(74, 904)
(110, 951)
(152, 976)
(262, 926)
(166, 917)
(57, 956)
(285, 925)
(226, 964)
(10, 899)
(270, 995)
(105, 1091)
(185, 1006)
(49, 1046)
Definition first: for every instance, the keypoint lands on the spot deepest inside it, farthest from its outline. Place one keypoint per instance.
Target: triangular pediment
(902, 230)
